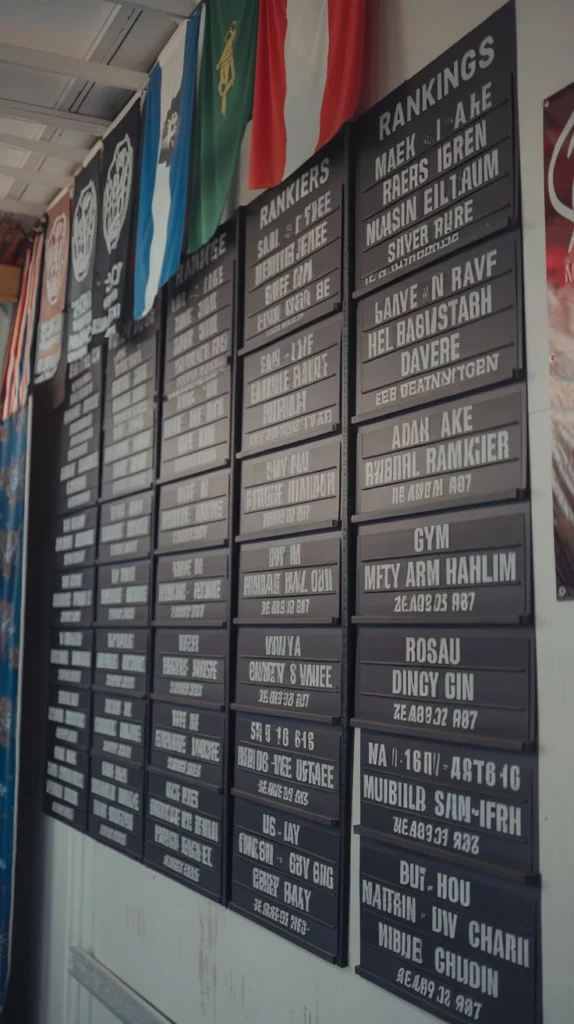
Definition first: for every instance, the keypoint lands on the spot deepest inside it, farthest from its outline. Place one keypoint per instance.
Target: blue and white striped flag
(165, 165)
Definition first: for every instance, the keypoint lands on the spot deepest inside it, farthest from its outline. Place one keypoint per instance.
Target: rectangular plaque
(127, 475)
(291, 390)
(191, 665)
(184, 832)
(293, 249)
(461, 945)
(130, 364)
(71, 656)
(125, 528)
(116, 805)
(296, 489)
(194, 513)
(66, 784)
(122, 661)
(435, 158)
(460, 567)
(296, 670)
(198, 365)
(285, 875)
(130, 411)
(73, 597)
(289, 764)
(188, 742)
(119, 727)
(474, 806)
(69, 715)
(80, 438)
(465, 452)
(198, 437)
(192, 588)
(441, 332)
(474, 685)
(79, 481)
(76, 538)
(291, 578)
(202, 284)
(124, 594)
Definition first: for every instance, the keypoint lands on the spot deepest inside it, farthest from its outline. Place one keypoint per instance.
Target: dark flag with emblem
(224, 103)
(83, 258)
(164, 170)
(119, 185)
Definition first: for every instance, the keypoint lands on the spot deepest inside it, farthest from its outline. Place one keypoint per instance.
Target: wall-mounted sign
(124, 594)
(467, 805)
(196, 429)
(71, 656)
(68, 716)
(289, 763)
(194, 513)
(293, 578)
(293, 249)
(188, 742)
(80, 437)
(119, 727)
(294, 671)
(291, 390)
(470, 940)
(66, 784)
(191, 665)
(76, 538)
(464, 452)
(436, 158)
(461, 567)
(73, 597)
(441, 332)
(192, 589)
(121, 661)
(116, 805)
(292, 868)
(184, 832)
(294, 489)
(473, 684)
(125, 528)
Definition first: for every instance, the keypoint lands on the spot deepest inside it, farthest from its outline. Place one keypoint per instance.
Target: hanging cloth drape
(13, 438)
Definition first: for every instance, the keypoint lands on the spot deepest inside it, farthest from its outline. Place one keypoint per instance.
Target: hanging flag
(119, 165)
(16, 377)
(307, 81)
(224, 106)
(83, 258)
(51, 323)
(165, 165)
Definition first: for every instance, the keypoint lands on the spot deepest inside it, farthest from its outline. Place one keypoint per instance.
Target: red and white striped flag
(307, 81)
(16, 378)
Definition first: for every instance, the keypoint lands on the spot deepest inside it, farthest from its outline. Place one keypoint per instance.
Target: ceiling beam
(68, 154)
(53, 118)
(179, 10)
(72, 67)
(21, 209)
(36, 177)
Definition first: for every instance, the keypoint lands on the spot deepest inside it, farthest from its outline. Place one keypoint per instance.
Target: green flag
(224, 104)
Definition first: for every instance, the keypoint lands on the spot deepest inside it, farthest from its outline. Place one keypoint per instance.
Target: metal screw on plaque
(561, 591)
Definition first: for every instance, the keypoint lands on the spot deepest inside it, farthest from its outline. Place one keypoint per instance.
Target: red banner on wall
(54, 283)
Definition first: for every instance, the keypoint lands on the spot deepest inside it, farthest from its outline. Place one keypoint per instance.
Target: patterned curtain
(13, 436)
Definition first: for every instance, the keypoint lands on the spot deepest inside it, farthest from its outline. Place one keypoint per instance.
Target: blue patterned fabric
(12, 501)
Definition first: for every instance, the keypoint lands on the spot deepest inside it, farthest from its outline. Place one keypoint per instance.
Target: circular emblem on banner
(117, 192)
(561, 173)
(84, 231)
(56, 252)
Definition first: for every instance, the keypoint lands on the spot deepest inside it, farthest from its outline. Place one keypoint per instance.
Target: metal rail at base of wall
(111, 992)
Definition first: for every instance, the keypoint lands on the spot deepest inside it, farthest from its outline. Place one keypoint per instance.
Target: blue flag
(165, 165)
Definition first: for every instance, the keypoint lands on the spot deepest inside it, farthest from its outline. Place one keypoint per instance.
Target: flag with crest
(224, 103)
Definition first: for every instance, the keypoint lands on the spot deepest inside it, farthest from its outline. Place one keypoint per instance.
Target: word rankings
(444, 679)
(286, 842)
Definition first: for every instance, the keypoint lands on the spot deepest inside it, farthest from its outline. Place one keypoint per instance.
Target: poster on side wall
(83, 258)
(559, 216)
(53, 301)
(119, 187)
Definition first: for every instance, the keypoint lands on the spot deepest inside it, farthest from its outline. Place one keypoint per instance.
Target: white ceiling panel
(60, 26)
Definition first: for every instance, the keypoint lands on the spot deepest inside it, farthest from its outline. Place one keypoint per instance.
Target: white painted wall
(199, 963)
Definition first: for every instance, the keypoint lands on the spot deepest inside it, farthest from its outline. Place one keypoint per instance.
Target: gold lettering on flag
(226, 67)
